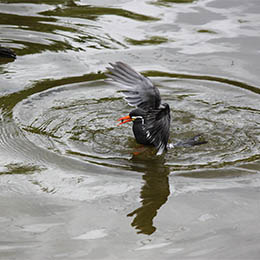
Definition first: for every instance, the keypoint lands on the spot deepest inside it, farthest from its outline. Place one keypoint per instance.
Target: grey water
(71, 186)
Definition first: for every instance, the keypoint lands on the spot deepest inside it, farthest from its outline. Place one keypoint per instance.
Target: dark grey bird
(7, 53)
(151, 118)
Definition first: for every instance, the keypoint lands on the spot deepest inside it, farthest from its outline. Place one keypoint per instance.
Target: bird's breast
(140, 134)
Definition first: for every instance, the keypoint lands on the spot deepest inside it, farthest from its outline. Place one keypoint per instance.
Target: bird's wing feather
(158, 129)
(139, 90)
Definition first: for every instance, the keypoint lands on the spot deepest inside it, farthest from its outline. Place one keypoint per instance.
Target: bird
(151, 118)
(7, 53)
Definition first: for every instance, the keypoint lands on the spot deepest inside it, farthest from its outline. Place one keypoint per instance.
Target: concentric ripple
(79, 120)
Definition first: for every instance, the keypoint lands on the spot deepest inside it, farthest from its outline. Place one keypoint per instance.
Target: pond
(72, 185)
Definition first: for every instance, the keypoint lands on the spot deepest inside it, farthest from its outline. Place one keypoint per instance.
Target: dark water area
(70, 184)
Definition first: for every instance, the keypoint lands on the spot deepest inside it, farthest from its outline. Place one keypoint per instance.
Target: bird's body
(151, 119)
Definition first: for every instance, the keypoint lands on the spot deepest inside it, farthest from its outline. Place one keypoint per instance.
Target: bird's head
(136, 116)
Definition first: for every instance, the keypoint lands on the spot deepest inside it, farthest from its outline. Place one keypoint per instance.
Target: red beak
(124, 119)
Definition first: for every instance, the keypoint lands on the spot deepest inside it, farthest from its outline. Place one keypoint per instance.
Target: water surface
(71, 186)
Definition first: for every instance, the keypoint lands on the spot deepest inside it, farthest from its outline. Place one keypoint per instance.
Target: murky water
(71, 187)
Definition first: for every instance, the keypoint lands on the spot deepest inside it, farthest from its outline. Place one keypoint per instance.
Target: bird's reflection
(154, 192)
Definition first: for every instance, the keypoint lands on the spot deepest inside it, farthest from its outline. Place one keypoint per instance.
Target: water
(71, 187)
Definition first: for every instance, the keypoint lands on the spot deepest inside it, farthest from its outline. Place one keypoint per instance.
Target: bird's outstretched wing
(139, 90)
(158, 128)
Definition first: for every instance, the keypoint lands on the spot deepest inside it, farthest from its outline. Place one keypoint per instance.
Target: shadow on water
(154, 192)
(94, 12)
(45, 34)
(49, 33)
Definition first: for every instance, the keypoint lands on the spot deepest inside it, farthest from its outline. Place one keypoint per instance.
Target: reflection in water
(154, 192)
(7, 53)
